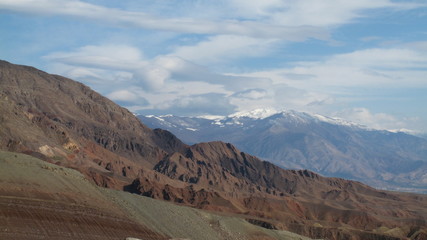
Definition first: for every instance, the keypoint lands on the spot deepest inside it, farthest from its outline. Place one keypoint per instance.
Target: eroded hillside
(64, 122)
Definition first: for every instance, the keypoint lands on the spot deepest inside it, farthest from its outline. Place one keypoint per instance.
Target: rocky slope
(297, 140)
(66, 123)
(39, 200)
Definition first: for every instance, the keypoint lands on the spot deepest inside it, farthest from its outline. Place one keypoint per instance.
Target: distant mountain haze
(298, 140)
(66, 123)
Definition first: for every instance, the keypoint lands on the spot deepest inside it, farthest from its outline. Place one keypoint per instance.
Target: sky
(364, 61)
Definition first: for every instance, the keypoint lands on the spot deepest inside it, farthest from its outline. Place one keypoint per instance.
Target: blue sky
(363, 61)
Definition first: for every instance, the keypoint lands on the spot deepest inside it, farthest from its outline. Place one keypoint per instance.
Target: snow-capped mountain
(330, 146)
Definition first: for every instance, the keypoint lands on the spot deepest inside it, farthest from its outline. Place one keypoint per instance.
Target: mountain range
(298, 140)
(82, 152)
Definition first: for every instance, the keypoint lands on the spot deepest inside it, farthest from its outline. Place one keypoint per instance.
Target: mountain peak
(293, 116)
(328, 145)
(64, 122)
(259, 113)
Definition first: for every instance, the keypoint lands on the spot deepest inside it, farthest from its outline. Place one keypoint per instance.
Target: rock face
(39, 200)
(298, 140)
(61, 111)
(64, 122)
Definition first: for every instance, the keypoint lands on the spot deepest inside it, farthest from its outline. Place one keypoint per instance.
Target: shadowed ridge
(64, 122)
(167, 141)
(293, 198)
(58, 203)
(329, 146)
(72, 110)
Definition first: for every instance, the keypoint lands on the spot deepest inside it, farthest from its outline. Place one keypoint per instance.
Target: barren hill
(64, 122)
(39, 200)
(329, 146)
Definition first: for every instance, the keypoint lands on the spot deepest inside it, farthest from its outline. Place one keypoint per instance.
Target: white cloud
(313, 12)
(255, 9)
(393, 67)
(253, 94)
(197, 104)
(185, 71)
(371, 67)
(152, 77)
(281, 96)
(393, 58)
(125, 18)
(80, 72)
(295, 98)
(338, 81)
(123, 95)
(326, 13)
(287, 20)
(223, 34)
(101, 56)
(373, 120)
(113, 62)
(166, 82)
(120, 72)
(125, 64)
(382, 121)
(224, 48)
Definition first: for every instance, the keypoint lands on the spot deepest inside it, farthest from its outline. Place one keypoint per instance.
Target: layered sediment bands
(24, 218)
(65, 123)
(39, 200)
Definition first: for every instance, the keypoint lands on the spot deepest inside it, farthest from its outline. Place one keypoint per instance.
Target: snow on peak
(338, 121)
(212, 117)
(156, 117)
(263, 113)
(256, 114)
(404, 130)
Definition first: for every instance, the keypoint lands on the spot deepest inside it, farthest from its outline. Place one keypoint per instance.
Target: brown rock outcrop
(66, 123)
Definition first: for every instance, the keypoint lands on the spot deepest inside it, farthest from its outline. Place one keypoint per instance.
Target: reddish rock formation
(66, 123)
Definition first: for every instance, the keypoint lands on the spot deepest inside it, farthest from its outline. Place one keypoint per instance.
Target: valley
(68, 149)
(297, 140)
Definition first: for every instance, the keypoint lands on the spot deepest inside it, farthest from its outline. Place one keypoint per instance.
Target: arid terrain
(65, 123)
(332, 147)
(39, 200)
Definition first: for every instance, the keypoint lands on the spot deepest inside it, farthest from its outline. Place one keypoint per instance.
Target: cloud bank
(218, 57)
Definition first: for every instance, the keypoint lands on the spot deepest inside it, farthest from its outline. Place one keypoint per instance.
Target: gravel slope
(39, 200)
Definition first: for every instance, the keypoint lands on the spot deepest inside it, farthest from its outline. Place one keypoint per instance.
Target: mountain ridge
(389, 160)
(65, 123)
(59, 203)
